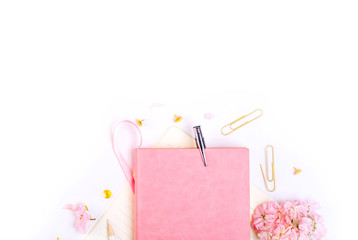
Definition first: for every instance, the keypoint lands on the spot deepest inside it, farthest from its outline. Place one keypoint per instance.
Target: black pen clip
(200, 143)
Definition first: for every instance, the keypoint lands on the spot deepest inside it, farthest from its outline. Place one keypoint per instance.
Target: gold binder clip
(233, 128)
(273, 179)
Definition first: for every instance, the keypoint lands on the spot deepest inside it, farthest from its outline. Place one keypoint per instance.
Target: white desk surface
(70, 69)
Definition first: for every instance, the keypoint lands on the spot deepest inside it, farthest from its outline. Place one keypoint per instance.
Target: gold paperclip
(273, 179)
(230, 125)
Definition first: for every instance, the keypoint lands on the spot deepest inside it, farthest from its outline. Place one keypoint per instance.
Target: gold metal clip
(273, 179)
(232, 128)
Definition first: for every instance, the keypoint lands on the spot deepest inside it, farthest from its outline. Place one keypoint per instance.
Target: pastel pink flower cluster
(289, 220)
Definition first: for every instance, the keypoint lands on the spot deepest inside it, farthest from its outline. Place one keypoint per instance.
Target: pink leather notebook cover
(178, 198)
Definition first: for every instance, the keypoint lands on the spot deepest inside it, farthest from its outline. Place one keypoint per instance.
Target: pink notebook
(178, 198)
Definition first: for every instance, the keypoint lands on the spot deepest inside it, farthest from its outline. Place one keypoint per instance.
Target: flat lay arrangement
(181, 189)
(178, 119)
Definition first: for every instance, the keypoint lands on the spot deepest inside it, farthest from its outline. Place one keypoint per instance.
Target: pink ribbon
(128, 172)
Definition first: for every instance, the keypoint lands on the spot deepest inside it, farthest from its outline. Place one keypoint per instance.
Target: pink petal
(154, 105)
(81, 226)
(81, 208)
(70, 207)
(208, 116)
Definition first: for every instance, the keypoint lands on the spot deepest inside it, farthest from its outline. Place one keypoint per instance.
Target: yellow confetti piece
(139, 122)
(177, 118)
(107, 194)
(297, 171)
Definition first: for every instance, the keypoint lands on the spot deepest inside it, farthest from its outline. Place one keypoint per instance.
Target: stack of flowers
(289, 220)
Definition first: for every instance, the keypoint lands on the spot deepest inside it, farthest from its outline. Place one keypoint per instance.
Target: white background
(69, 69)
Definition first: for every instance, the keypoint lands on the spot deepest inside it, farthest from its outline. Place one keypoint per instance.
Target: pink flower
(304, 236)
(82, 216)
(281, 233)
(312, 207)
(264, 236)
(294, 209)
(291, 220)
(319, 229)
(264, 216)
(294, 233)
(305, 225)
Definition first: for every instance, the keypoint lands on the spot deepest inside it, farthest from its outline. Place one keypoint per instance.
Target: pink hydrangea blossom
(319, 229)
(290, 220)
(264, 216)
(281, 232)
